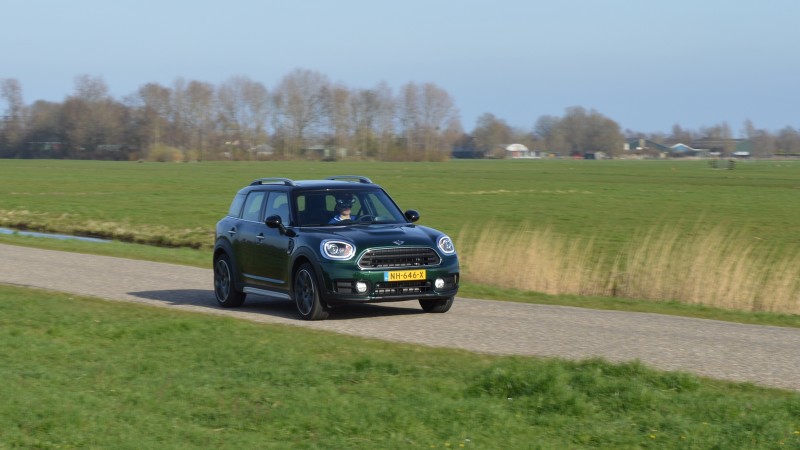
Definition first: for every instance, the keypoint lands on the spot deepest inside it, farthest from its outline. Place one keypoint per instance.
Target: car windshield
(330, 207)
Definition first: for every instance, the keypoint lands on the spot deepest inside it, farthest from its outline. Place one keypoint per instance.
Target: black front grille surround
(399, 257)
(403, 288)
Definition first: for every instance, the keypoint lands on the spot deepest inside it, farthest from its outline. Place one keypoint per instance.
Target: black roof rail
(358, 178)
(285, 181)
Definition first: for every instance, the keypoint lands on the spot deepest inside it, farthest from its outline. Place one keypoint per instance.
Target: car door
(245, 242)
(271, 267)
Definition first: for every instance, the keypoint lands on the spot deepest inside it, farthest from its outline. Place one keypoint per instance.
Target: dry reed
(714, 267)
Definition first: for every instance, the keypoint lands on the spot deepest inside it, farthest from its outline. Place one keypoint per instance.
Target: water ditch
(52, 235)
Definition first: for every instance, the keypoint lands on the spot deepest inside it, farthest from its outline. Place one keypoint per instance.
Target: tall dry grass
(716, 267)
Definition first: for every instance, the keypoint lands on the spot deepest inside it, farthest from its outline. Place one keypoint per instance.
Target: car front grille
(399, 257)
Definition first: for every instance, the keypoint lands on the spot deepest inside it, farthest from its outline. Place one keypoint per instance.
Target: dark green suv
(322, 243)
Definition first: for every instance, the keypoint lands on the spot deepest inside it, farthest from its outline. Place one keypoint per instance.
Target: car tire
(306, 294)
(224, 285)
(436, 306)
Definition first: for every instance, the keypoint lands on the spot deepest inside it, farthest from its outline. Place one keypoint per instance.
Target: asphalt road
(764, 355)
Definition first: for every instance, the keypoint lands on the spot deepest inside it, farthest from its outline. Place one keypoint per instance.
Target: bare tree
(339, 114)
(153, 110)
(372, 120)
(548, 131)
(44, 129)
(788, 141)
(428, 119)
(198, 115)
(14, 118)
(191, 113)
(492, 135)
(178, 133)
(720, 137)
(718, 131)
(441, 121)
(763, 141)
(581, 131)
(301, 100)
(92, 118)
(681, 136)
(384, 109)
(410, 119)
(243, 107)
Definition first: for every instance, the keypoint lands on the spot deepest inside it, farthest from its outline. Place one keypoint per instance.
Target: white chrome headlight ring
(446, 246)
(337, 250)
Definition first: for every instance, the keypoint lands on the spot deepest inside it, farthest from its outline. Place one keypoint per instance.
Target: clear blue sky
(646, 64)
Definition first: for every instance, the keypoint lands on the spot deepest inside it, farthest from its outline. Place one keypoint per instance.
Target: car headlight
(337, 249)
(446, 245)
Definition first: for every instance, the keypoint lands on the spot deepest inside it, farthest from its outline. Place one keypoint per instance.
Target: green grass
(178, 204)
(86, 373)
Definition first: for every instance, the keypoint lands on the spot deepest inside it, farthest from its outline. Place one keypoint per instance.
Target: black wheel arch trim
(305, 255)
(223, 246)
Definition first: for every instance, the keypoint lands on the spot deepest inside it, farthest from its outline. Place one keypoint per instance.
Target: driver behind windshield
(344, 206)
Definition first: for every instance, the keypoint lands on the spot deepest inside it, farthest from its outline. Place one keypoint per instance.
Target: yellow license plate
(404, 275)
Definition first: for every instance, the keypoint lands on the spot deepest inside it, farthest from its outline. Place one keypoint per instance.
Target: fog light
(439, 283)
(361, 287)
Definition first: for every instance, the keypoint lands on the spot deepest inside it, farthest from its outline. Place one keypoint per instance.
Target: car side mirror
(276, 222)
(412, 215)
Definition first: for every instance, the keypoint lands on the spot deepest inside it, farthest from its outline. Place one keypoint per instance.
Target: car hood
(365, 236)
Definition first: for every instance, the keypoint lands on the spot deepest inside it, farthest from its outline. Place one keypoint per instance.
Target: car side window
(252, 206)
(236, 205)
(278, 205)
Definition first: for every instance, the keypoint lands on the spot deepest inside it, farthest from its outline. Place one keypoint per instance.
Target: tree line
(304, 116)
(238, 119)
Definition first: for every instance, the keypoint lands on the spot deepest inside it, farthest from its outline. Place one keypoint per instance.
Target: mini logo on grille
(397, 242)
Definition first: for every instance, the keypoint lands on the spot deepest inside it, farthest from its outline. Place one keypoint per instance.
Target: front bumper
(340, 281)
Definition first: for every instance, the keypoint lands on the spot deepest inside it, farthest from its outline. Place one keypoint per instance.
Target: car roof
(346, 182)
(331, 184)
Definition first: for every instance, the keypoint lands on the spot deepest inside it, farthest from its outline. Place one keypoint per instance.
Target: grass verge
(86, 373)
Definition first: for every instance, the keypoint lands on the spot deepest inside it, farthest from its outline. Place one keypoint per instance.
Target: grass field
(607, 200)
(655, 230)
(86, 373)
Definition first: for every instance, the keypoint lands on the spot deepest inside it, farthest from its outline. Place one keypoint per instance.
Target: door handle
(232, 231)
(260, 237)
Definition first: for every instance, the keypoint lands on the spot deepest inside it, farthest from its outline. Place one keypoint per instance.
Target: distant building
(48, 146)
(644, 148)
(698, 148)
(262, 152)
(517, 151)
(324, 152)
(467, 148)
(683, 150)
(724, 147)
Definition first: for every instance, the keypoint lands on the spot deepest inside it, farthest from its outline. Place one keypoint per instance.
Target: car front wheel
(436, 306)
(306, 294)
(224, 286)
